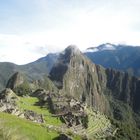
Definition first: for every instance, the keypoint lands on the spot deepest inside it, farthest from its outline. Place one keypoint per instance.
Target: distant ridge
(121, 57)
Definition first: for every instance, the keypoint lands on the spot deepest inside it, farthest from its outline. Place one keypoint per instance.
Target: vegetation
(124, 119)
(31, 103)
(14, 128)
(23, 89)
(125, 58)
(47, 84)
(85, 121)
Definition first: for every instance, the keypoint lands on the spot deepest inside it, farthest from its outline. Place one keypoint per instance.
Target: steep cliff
(76, 76)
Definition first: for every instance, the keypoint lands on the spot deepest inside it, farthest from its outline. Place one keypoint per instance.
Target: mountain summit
(102, 47)
(76, 76)
(68, 53)
(72, 49)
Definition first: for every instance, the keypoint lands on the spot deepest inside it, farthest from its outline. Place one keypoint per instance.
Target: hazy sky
(30, 29)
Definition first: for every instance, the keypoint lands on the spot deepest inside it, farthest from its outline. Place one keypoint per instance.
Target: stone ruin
(8, 104)
(70, 110)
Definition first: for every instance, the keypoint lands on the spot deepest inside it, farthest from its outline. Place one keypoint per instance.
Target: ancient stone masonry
(69, 110)
(8, 104)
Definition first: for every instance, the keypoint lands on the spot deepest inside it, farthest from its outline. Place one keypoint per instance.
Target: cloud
(31, 29)
(16, 49)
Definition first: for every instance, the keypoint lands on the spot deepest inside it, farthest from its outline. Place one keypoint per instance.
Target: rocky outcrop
(7, 95)
(41, 94)
(8, 104)
(19, 84)
(32, 116)
(63, 137)
(7, 100)
(124, 87)
(15, 80)
(61, 66)
(77, 77)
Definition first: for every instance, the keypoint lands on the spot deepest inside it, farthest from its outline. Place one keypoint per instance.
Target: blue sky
(29, 29)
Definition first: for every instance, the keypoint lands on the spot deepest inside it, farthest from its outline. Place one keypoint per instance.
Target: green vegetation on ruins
(30, 103)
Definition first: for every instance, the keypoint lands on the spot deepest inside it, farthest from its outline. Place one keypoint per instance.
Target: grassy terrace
(14, 128)
(29, 103)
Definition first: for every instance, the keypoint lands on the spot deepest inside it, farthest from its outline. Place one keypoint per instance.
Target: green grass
(14, 128)
(29, 103)
(22, 129)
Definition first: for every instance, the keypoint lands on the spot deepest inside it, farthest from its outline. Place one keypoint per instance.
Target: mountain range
(120, 57)
(69, 82)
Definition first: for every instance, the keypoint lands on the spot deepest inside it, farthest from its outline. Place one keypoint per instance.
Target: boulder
(8, 96)
(32, 116)
(63, 137)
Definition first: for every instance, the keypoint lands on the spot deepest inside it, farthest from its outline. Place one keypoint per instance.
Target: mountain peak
(15, 80)
(72, 50)
(102, 47)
